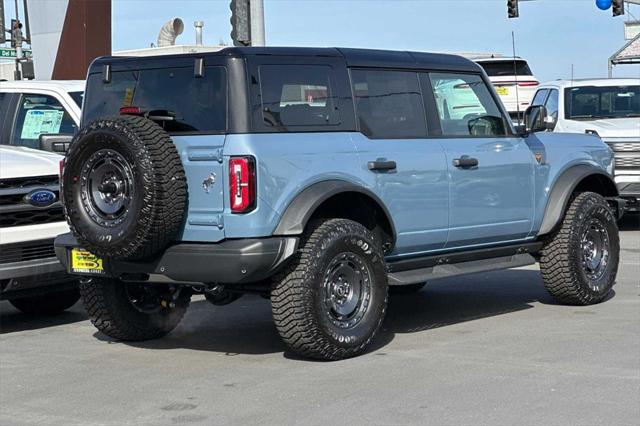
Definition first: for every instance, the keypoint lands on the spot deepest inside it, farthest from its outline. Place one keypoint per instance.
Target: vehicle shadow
(13, 321)
(246, 327)
(629, 222)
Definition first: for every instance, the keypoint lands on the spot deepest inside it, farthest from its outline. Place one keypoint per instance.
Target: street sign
(6, 52)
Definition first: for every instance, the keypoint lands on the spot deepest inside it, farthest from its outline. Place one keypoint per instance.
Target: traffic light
(16, 33)
(617, 7)
(240, 23)
(512, 8)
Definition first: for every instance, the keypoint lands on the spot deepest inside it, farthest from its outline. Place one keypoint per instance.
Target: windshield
(591, 102)
(505, 68)
(77, 97)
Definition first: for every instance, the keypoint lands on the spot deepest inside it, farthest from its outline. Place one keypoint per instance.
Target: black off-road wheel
(580, 262)
(47, 304)
(124, 188)
(134, 311)
(330, 301)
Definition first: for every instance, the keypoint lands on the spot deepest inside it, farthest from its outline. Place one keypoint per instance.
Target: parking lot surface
(492, 348)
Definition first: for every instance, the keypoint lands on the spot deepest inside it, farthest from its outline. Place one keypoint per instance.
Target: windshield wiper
(633, 114)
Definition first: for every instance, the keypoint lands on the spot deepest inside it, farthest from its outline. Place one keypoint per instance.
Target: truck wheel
(124, 188)
(330, 301)
(580, 262)
(134, 311)
(47, 304)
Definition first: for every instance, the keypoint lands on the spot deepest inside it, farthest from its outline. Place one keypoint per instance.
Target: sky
(552, 35)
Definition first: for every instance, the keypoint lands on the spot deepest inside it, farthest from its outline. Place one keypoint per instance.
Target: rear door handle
(465, 162)
(381, 165)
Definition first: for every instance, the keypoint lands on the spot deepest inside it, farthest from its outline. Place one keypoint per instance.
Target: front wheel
(580, 262)
(330, 302)
(134, 311)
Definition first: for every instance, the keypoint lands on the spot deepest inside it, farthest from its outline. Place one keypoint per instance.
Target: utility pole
(16, 36)
(256, 14)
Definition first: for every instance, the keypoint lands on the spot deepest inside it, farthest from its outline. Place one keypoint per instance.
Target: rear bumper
(228, 262)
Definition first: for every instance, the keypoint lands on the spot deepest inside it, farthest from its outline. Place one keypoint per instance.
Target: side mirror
(486, 125)
(53, 142)
(534, 119)
(550, 122)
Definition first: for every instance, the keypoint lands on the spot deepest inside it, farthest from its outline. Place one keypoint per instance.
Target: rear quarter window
(297, 97)
(199, 104)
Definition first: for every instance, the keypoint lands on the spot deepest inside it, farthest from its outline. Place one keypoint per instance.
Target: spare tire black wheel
(124, 188)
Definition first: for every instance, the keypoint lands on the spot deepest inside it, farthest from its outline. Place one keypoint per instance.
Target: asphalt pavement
(492, 348)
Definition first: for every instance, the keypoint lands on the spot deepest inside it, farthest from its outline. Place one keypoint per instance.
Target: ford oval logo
(41, 197)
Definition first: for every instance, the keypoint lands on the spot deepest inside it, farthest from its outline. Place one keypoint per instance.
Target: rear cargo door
(202, 159)
(195, 99)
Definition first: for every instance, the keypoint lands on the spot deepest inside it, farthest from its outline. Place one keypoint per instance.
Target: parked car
(31, 216)
(513, 80)
(318, 178)
(40, 114)
(609, 108)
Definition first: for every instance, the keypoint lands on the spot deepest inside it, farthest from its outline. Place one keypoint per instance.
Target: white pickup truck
(608, 108)
(34, 115)
(31, 216)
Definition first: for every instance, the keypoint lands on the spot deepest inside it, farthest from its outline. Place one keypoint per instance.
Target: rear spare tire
(124, 188)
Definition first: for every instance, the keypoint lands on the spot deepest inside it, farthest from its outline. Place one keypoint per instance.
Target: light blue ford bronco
(319, 178)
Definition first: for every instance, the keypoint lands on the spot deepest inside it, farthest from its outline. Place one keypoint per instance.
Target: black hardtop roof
(353, 57)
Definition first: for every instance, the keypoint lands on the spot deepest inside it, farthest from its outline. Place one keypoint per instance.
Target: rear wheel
(47, 304)
(134, 311)
(580, 262)
(330, 302)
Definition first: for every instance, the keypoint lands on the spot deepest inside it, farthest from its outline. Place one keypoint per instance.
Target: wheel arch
(576, 178)
(337, 198)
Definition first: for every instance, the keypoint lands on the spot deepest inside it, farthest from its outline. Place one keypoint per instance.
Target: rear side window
(465, 106)
(198, 104)
(389, 104)
(295, 96)
(40, 114)
(505, 68)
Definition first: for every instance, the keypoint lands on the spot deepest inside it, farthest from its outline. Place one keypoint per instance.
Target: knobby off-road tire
(580, 262)
(123, 310)
(124, 188)
(47, 304)
(331, 299)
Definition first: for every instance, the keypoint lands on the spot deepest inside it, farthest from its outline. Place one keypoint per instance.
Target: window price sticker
(38, 121)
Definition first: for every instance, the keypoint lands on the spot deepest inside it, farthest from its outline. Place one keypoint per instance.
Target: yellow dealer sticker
(83, 262)
(502, 91)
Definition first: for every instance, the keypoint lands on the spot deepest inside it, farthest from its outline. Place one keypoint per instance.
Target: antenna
(515, 74)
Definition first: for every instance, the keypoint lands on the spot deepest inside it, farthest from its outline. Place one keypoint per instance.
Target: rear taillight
(528, 83)
(61, 168)
(133, 110)
(242, 184)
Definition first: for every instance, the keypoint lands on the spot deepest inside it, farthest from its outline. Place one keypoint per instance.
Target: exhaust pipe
(198, 25)
(169, 32)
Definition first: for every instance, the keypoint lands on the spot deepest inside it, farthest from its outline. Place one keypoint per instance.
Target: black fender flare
(564, 186)
(299, 211)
